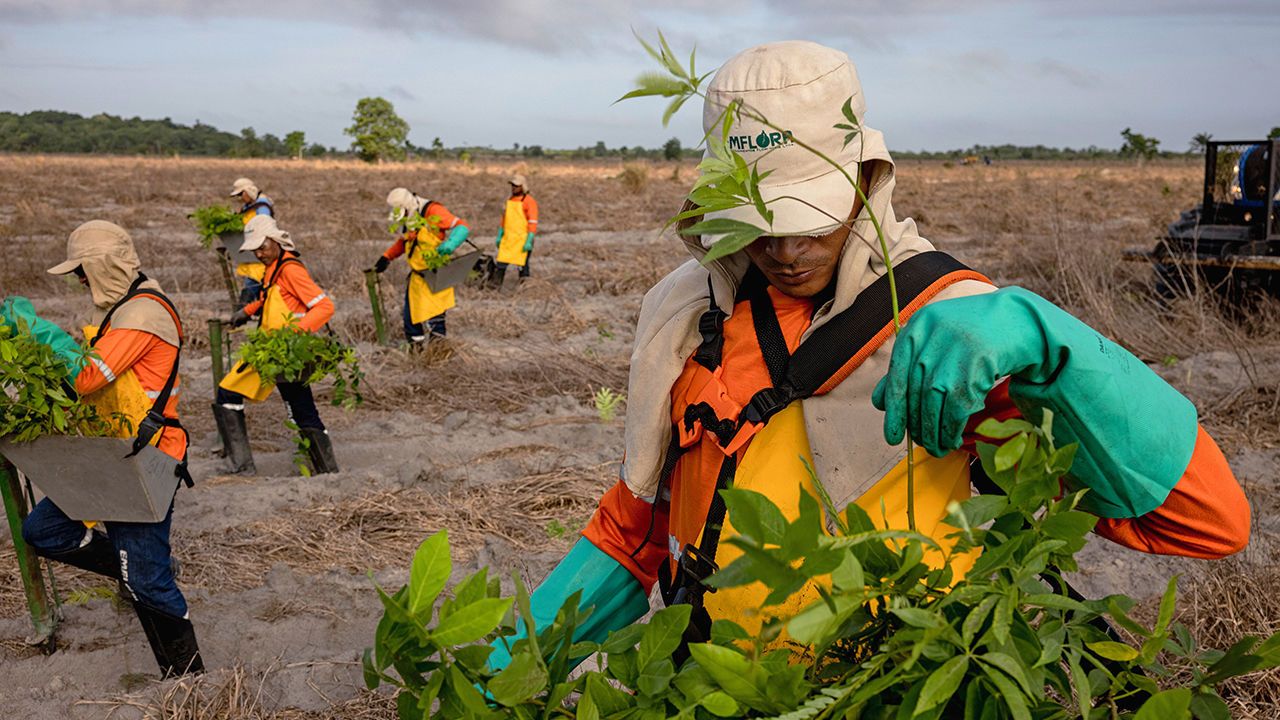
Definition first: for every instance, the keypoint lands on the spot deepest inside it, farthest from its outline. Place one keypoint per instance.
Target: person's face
(84, 280)
(515, 189)
(268, 253)
(245, 197)
(799, 266)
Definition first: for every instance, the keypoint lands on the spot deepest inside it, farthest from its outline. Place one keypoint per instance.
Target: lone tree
(1275, 133)
(377, 132)
(1138, 145)
(294, 142)
(1200, 141)
(671, 150)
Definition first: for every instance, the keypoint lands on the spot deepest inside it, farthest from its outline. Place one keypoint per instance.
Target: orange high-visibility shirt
(311, 305)
(151, 359)
(445, 221)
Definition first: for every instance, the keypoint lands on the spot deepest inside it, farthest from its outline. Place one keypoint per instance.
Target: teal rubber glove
(528, 243)
(1135, 432)
(17, 310)
(451, 243)
(498, 242)
(613, 594)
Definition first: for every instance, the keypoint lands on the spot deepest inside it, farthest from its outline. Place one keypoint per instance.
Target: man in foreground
(712, 405)
(133, 369)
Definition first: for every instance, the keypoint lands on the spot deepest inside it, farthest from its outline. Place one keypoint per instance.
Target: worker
(426, 227)
(132, 371)
(252, 204)
(519, 226)
(289, 298)
(785, 350)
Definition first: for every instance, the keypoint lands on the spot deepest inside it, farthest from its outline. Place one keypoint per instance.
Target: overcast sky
(938, 74)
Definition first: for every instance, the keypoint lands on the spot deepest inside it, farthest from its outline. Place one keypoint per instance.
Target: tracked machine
(1229, 244)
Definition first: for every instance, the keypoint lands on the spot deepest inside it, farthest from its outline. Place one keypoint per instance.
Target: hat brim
(253, 243)
(827, 201)
(236, 193)
(63, 268)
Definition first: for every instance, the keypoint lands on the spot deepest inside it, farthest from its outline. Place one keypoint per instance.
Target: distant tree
(315, 150)
(672, 150)
(294, 142)
(601, 150)
(1275, 133)
(437, 148)
(1138, 145)
(377, 132)
(533, 151)
(249, 145)
(1200, 142)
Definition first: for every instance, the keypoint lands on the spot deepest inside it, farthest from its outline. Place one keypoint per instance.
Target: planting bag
(17, 310)
(1135, 433)
(616, 598)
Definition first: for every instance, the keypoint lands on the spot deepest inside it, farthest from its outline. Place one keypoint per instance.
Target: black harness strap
(154, 421)
(795, 377)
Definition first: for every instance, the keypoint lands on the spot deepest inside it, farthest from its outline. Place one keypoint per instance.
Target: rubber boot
(235, 439)
(173, 641)
(98, 556)
(320, 450)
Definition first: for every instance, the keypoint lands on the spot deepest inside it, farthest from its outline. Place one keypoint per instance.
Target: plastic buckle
(765, 404)
(694, 567)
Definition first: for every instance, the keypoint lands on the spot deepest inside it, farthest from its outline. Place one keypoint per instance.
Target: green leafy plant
(290, 355)
(301, 449)
(608, 403)
(401, 224)
(890, 635)
(35, 391)
(213, 221)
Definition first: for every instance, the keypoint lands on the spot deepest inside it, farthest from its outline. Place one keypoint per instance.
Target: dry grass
(235, 693)
(382, 529)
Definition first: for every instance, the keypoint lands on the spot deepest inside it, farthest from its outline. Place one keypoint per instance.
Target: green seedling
(608, 403)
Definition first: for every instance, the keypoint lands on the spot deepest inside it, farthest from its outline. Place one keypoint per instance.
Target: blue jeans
(143, 549)
(302, 404)
(250, 291)
(416, 332)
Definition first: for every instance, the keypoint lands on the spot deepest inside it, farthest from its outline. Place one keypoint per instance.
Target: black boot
(320, 450)
(235, 439)
(173, 641)
(98, 556)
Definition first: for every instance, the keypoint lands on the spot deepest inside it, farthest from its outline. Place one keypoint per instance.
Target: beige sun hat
(259, 229)
(800, 87)
(95, 239)
(519, 181)
(402, 199)
(242, 185)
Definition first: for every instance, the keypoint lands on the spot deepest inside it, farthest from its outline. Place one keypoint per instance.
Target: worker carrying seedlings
(785, 349)
(427, 230)
(135, 338)
(519, 226)
(288, 298)
(252, 204)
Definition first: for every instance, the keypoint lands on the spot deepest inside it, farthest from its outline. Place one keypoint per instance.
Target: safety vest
(132, 410)
(254, 270)
(424, 303)
(763, 445)
(276, 314)
(515, 230)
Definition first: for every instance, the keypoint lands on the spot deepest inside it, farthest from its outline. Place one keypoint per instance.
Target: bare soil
(493, 435)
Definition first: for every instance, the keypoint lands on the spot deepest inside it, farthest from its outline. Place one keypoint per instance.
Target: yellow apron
(423, 303)
(243, 379)
(515, 230)
(254, 270)
(772, 467)
(122, 402)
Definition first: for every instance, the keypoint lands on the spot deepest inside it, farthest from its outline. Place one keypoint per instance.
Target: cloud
(1073, 76)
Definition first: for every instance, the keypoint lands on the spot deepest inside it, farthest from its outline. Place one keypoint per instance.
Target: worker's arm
(114, 354)
(452, 228)
(295, 280)
(1205, 514)
(397, 248)
(531, 213)
(614, 564)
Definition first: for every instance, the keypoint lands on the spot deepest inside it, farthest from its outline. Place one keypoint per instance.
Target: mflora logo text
(763, 141)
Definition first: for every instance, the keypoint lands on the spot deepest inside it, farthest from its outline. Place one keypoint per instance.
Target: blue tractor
(1229, 244)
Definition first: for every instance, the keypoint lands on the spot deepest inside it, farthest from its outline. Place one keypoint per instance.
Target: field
(493, 433)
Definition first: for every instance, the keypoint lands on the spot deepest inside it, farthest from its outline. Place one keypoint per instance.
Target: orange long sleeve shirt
(151, 359)
(310, 304)
(445, 221)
